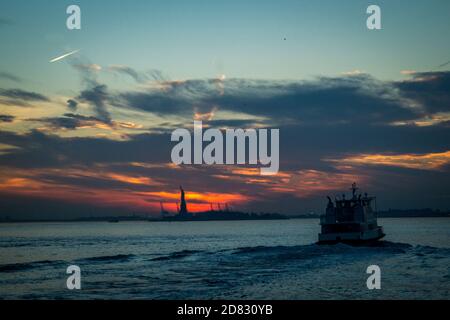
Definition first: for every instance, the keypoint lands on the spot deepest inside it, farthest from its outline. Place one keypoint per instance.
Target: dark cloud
(10, 77)
(37, 149)
(176, 97)
(137, 76)
(62, 122)
(72, 104)
(95, 93)
(22, 95)
(86, 69)
(325, 100)
(97, 96)
(319, 120)
(68, 121)
(157, 75)
(327, 117)
(6, 118)
(156, 102)
(430, 89)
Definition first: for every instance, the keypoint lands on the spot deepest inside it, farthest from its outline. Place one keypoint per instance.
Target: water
(221, 260)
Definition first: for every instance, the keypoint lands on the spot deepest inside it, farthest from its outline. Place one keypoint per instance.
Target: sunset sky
(90, 134)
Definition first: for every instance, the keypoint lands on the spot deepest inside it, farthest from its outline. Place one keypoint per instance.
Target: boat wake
(254, 272)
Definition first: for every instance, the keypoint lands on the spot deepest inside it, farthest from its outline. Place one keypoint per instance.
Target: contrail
(64, 56)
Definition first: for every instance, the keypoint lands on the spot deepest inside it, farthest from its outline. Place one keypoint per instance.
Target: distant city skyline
(86, 115)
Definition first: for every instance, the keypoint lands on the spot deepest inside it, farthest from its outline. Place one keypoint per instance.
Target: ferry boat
(351, 221)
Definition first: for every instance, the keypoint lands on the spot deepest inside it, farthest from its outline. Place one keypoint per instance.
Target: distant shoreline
(384, 214)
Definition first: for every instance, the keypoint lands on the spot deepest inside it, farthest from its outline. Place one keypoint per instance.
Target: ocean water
(221, 260)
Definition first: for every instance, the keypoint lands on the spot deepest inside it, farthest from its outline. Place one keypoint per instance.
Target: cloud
(69, 121)
(72, 121)
(91, 67)
(6, 118)
(74, 167)
(355, 72)
(22, 95)
(429, 161)
(44, 149)
(325, 100)
(305, 183)
(351, 120)
(72, 104)
(408, 72)
(10, 77)
(97, 96)
(95, 93)
(137, 76)
(430, 89)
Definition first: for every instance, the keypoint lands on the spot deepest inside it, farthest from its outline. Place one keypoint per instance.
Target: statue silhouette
(183, 206)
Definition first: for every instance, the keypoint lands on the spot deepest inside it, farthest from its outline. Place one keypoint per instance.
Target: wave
(306, 252)
(118, 257)
(331, 247)
(16, 267)
(314, 251)
(176, 255)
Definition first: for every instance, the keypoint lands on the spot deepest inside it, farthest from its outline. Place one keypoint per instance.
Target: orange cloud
(42, 183)
(305, 183)
(130, 179)
(252, 176)
(39, 183)
(408, 72)
(205, 116)
(255, 172)
(429, 161)
(18, 183)
(31, 187)
(301, 184)
(429, 120)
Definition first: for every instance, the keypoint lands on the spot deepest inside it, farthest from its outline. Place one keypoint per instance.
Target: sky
(89, 134)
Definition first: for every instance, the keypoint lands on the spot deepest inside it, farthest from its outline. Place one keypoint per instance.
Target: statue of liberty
(183, 207)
